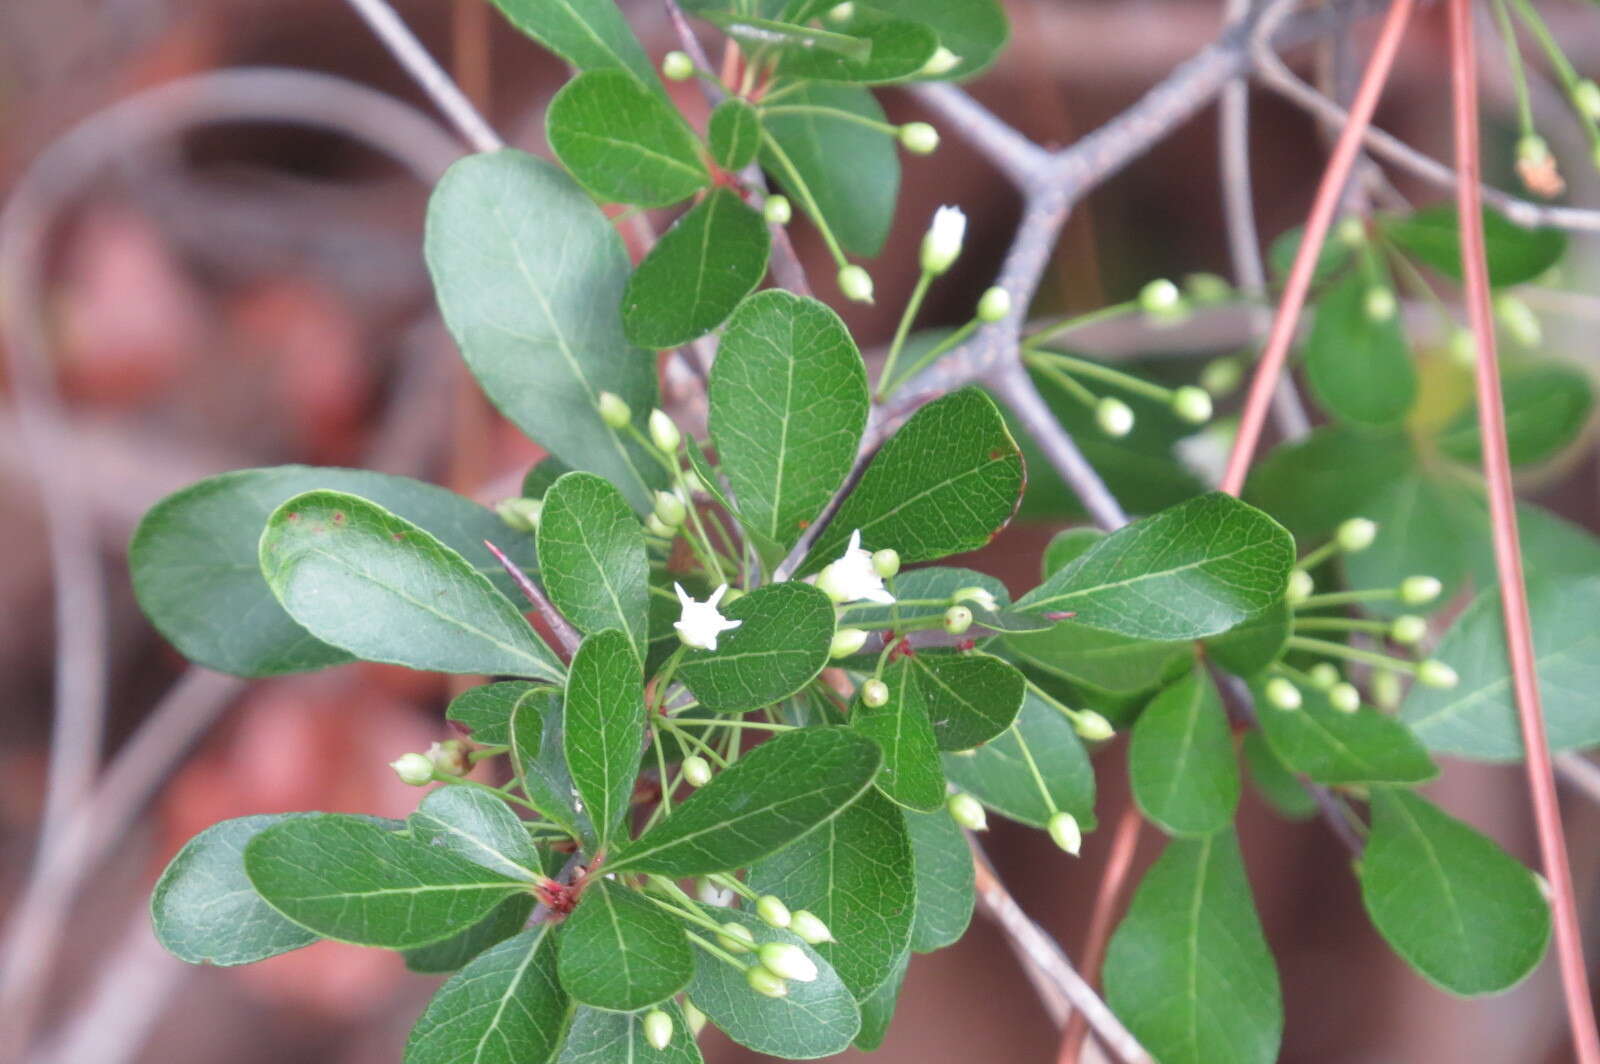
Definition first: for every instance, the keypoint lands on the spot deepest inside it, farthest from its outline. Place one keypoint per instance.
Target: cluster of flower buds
(446, 759)
(776, 962)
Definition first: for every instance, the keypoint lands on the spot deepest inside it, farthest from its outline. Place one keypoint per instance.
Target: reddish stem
(1124, 844)
(1284, 322)
(566, 636)
(1507, 548)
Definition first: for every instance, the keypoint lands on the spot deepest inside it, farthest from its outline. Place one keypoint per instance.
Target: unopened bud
(787, 961)
(1352, 233)
(1324, 676)
(1419, 590)
(919, 138)
(805, 925)
(841, 12)
(1386, 689)
(1518, 320)
(664, 432)
(1344, 697)
(957, 619)
(772, 910)
(736, 938)
(1114, 417)
(941, 245)
(994, 304)
(1408, 629)
(980, 597)
(670, 509)
(967, 811)
(450, 757)
(874, 693)
(1463, 348)
(847, 641)
(696, 771)
(886, 562)
(1192, 404)
(414, 769)
(1586, 98)
(1379, 303)
(657, 1029)
(1435, 673)
(693, 1017)
(657, 527)
(1092, 726)
(855, 283)
(1356, 534)
(942, 61)
(1207, 288)
(520, 514)
(1161, 299)
(614, 411)
(1282, 694)
(777, 210)
(1300, 587)
(763, 982)
(1221, 376)
(1065, 832)
(1537, 167)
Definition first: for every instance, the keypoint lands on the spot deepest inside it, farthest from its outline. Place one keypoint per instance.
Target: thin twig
(567, 638)
(1507, 548)
(1119, 865)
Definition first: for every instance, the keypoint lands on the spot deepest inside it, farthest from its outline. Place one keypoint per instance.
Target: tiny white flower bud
(805, 925)
(614, 411)
(520, 514)
(941, 246)
(957, 619)
(1221, 376)
(1379, 303)
(1435, 673)
(1386, 689)
(1351, 232)
(664, 432)
(1518, 320)
(1192, 404)
(787, 961)
(1586, 98)
(670, 509)
(1344, 697)
(1408, 629)
(886, 562)
(994, 304)
(1324, 675)
(847, 641)
(711, 894)
(919, 138)
(1282, 694)
(772, 911)
(657, 528)
(414, 769)
(696, 771)
(855, 283)
(677, 66)
(842, 12)
(942, 61)
(1300, 587)
(693, 1017)
(777, 210)
(1463, 348)
(1114, 417)
(967, 811)
(1419, 590)
(1065, 832)
(736, 938)
(657, 1029)
(980, 597)
(1161, 299)
(763, 982)
(1356, 534)
(1092, 726)
(874, 693)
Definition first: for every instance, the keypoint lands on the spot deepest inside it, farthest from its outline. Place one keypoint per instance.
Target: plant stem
(831, 112)
(1350, 653)
(1099, 371)
(924, 279)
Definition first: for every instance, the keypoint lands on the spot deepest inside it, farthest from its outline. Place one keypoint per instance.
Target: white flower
(699, 624)
(943, 242)
(852, 577)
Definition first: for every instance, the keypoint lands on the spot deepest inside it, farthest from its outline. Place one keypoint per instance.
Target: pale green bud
(736, 938)
(520, 514)
(994, 304)
(1435, 673)
(1092, 726)
(693, 484)
(763, 982)
(855, 283)
(1282, 694)
(1586, 98)
(1351, 232)
(1300, 586)
(696, 771)
(670, 509)
(942, 61)
(772, 911)
(1379, 303)
(1114, 417)
(1344, 697)
(664, 432)
(677, 66)
(1192, 404)
(874, 693)
(1408, 629)
(1463, 348)
(787, 961)
(805, 925)
(1207, 288)
(1221, 376)
(450, 758)
(414, 769)
(1532, 150)
(842, 12)
(1065, 832)
(614, 410)
(980, 597)
(886, 562)
(1356, 534)
(777, 210)
(657, 1029)
(1386, 689)
(1161, 298)
(1518, 320)
(657, 528)
(1324, 676)
(967, 811)
(919, 138)
(1419, 590)
(693, 1017)
(847, 641)
(957, 619)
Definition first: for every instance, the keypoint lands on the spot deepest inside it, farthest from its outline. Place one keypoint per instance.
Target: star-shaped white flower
(700, 622)
(851, 578)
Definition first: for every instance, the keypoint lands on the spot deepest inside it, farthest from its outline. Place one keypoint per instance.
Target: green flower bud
(736, 938)
(805, 925)
(957, 619)
(1352, 233)
(942, 61)
(842, 12)
(657, 528)
(855, 283)
(1463, 348)
(414, 769)
(1221, 376)
(874, 693)
(1518, 320)
(1192, 404)
(1300, 587)
(763, 982)
(692, 484)
(886, 562)
(847, 641)
(677, 66)
(941, 245)
(967, 811)
(1065, 832)
(1408, 629)
(1532, 150)
(449, 758)
(919, 138)
(1356, 534)
(664, 432)
(772, 911)
(1586, 98)
(1092, 726)
(1386, 689)
(787, 961)
(1324, 676)
(1379, 303)
(980, 597)
(1282, 694)
(1344, 697)
(777, 210)
(696, 771)
(693, 1017)
(994, 304)
(670, 509)
(1435, 673)
(1114, 417)
(520, 514)
(1419, 590)
(1207, 289)
(657, 1029)
(614, 411)
(1161, 299)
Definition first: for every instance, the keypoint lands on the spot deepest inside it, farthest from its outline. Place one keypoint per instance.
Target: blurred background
(231, 276)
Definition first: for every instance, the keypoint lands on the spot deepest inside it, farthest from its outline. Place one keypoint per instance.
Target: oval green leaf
(591, 552)
(781, 645)
(1333, 747)
(1181, 761)
(623, 142)
(620, 951)
(946, 891)
(506, 1007)
(733, 133)
(603, 730)
(970, 697)
(1039, 754)
(474, 824)
(911, 774)
(1515, 254)
(1359, 369)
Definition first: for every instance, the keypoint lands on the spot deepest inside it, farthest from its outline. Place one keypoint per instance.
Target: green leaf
(486, 711)
(877, 1008)
(604, 729)
(506, 1007)
(376, 585)
(194, 560)
(775, 794)
(1546, 409)
(1273, 780)
(543, 476)
(476, 825)
(947, 482)
(1359, 369)
(712, 482)
(733, 133)
(505, 920)
(1334, 747)
(1193, 570)
(538, 757)
(788, 35)
(624, 142)
(1333, 256)
(1514, 254)
(1065, 546)
(206, 911)
(1188, 970)
(851, 171)
(1478, 717)
(529, 274)
(1181, 762)
(855, 874)
(1427, 526)
(592, 557)
(788, 396)
(1105, 661)
(589, 34)
(898, 50)
(945, 883)
(600, 1037)
(975, 30)
(1313, 484)
(355, 880)
(697, 273)
(621, 952)
(781, 645)
(911, 775)
(970, 697)
(1457, 907)
(1256, 643)
(1001, 773)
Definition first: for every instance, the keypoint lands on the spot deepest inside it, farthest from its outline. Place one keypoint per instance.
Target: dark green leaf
(1255, 644)
(877, 1008)
(781, 645)
(851, 171)
(1456, 906)
(945, 889)
(975, 30)
(356, 880)
(1105, 661)
(1334, 254)
(946, 482)
(486, 711)
(589, 34)
(1546, 409)
(898, 51)
(206, 911)
(1188, 970)
(538, 757)
(1332, 474)
(733, 134)
(624, 142)
(621, 952)
(1359, 369)
(1196, 569)
(1277, 785)
(1515, 254)
(697, 273)
(712, 481)
(506, 919)
(775, 794)
(785, 35)
(1001, 773)
(855, 874)
(1065, 546)
(529, 274)
(591, 551)
(1429, 526)
(970, 697)
(370, 582)
(604, 730)
(600, 1037)
(543, 476)
(911, 775)
(1334, 747)
(194, 559)
(788, 395)
(506, 1007)
(476, 825)
(1181, 762)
